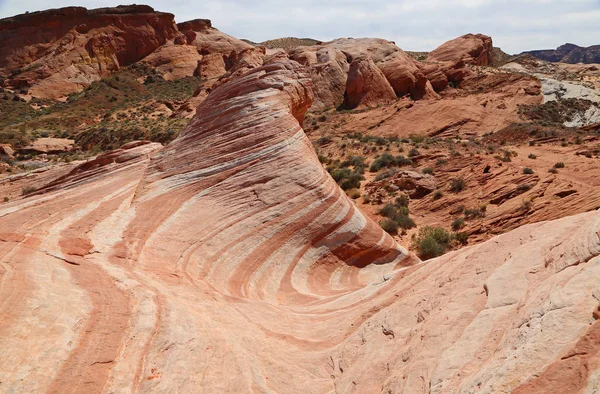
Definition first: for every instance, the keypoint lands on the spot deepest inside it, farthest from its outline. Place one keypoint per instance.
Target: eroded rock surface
(230, 260)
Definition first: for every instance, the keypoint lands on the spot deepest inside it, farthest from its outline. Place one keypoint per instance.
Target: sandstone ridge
(154, 269)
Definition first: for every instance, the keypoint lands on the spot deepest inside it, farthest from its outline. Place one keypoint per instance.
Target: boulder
(366, 86)
(476, 49)
(7, 150)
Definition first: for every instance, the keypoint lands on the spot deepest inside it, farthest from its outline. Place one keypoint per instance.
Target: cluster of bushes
(366, 139)
(432, 242)
(386, 160)
(348, 178)
(396, 215)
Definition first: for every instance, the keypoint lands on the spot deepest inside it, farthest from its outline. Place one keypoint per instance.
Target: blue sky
(515, 25)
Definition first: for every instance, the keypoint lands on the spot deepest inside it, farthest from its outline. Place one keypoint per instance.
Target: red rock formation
(154, 270)
(57, 52)
(7, 150)
(366, 85)
(474, 49)
(328, 68)
(329, 65)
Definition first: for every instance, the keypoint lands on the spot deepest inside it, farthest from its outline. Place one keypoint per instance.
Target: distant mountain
(569, 53)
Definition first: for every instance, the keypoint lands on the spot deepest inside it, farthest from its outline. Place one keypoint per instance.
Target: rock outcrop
(569, 53)
(366, 85)
(51, 54)
(329, 64)
(154, 270)
(57, 52)
(474, 49)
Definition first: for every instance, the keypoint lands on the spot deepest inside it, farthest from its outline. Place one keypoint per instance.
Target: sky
(414, 25)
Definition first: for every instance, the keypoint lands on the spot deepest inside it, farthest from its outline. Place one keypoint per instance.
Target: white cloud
(515, 25)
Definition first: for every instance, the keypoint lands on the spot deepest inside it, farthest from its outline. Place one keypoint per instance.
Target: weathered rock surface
(231, 249)
(7, 150)
(329, 64)
(49, 145)
(474, 49)
(414, 184)
(366, 85)
(569, 53)
(57, 52)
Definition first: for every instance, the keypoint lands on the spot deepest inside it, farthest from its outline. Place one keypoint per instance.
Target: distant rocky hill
(569, 53)
(286, 42)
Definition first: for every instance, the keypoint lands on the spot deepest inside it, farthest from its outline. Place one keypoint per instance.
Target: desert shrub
(386, 160)
(560, 164)
(27, 190)
(553, 171)
(346, 178)
(458, 223)
(5, 199)
(462, 237)
(526, 205)
(389, 226)
(383, 161)
(523, 188)
(413, 152)
(402, 200)
(475, 213)
(532, 156)
(457, 185)
(527, 171)
(428, 170)
(324, 140)
(353, 193)
(417, 139)
(399, 214)
(354, 161)
(432, 242)
(437, 195)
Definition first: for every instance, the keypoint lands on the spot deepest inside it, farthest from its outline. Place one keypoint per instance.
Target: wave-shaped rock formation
(229, 261)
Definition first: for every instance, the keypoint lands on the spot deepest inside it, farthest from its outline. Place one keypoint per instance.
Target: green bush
(346, 178)
(428, 170)
(437, 195)
(402, 200)
(458, 223)
(398, 214)
(475, 213)
(389, 226)
(432, 242)
(523, 188)
(532, 156)
(386, 160)
(414, 152)
(354, 161)
(527, 171)
(457, 185)
(462, 237)
(560, 164)
(553, 171)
